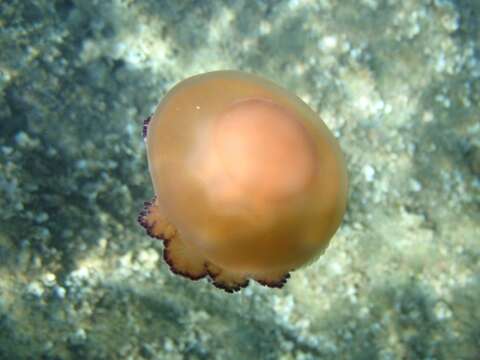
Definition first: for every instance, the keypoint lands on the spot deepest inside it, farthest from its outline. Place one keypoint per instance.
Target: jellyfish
(249, 183)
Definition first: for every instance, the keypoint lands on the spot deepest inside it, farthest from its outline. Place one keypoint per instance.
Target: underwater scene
(240, 179)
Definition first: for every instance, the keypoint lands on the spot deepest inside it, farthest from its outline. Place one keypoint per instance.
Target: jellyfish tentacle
(146, 122)
(182, 257)
(226, 280)
(155, 224)
(274, 279)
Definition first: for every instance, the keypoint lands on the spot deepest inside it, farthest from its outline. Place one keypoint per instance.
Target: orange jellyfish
(249, 182)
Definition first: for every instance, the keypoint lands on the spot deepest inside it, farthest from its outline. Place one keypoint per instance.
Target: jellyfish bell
(249, 182)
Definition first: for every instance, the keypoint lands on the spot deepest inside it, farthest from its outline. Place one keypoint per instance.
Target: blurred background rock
(397, 81)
